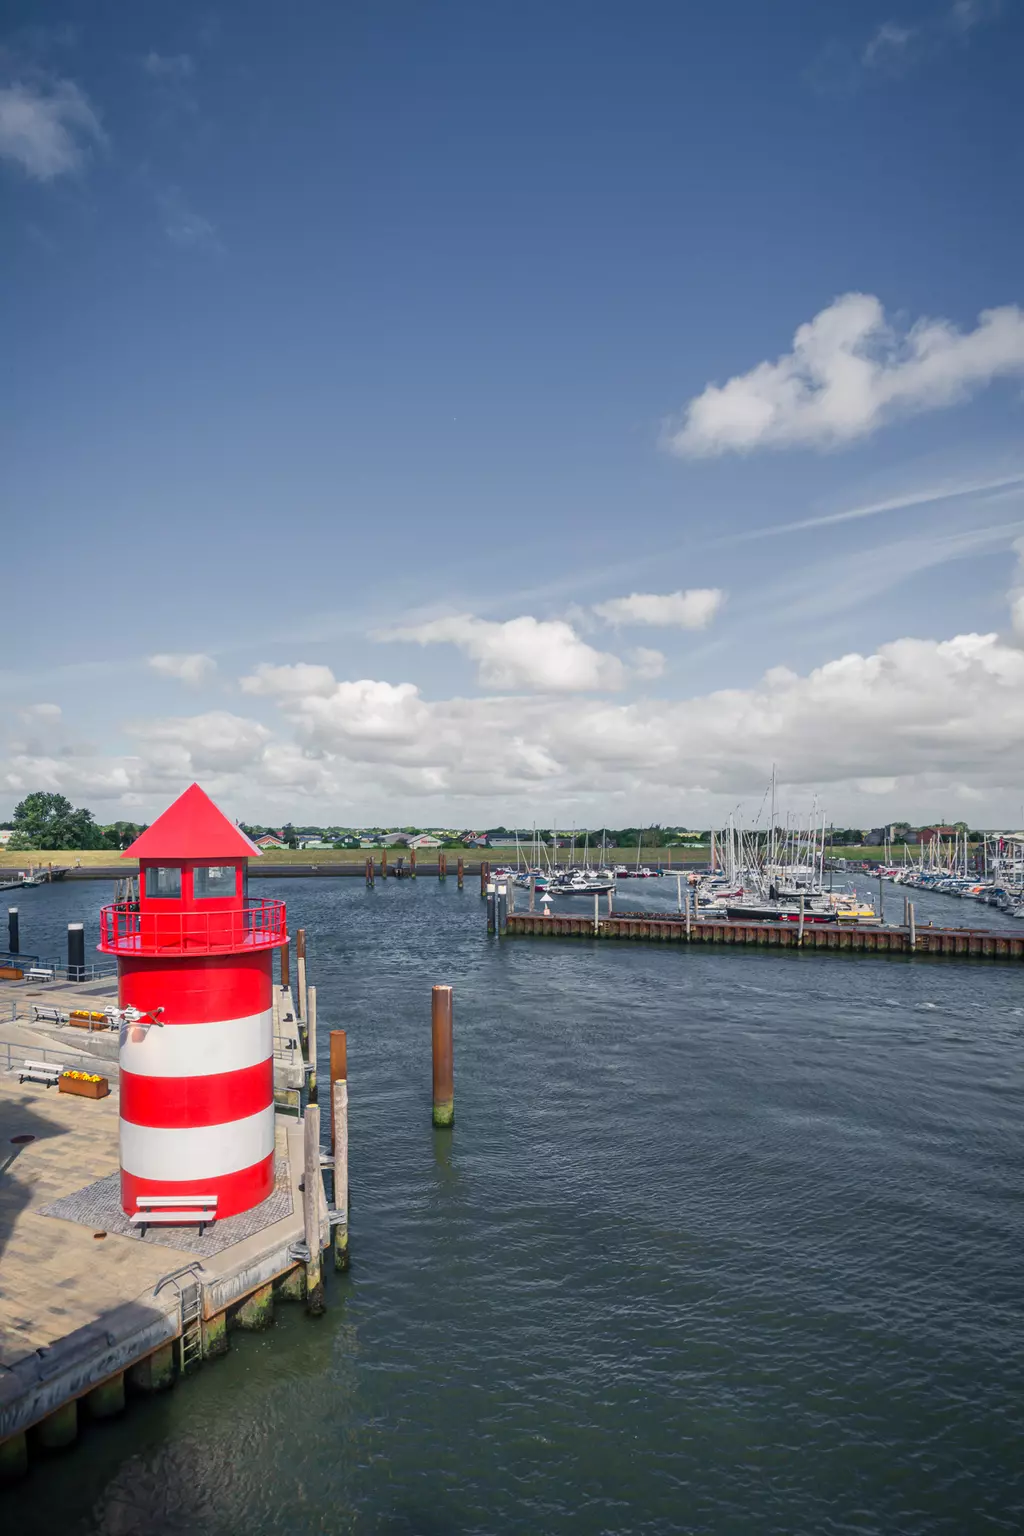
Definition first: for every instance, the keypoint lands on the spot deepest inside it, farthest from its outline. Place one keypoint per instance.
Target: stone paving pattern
(98, 1206)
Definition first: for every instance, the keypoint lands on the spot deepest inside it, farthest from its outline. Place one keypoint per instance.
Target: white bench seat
(40, 973)
(174, 1211)
(48, 1015)
(47, 1072)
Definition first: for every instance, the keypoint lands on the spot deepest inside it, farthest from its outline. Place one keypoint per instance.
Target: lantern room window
(164, 881)
(214, 880)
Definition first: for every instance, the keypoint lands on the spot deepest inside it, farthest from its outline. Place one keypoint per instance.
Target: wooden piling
(800, 928)
(441, 1020)
(912, 925)
(300, 968)
(533, 893)
(461, 870)
(285, 969)
(597, 914)
(311, 1044)
(338, 1067)
(339, 1139)
(442, 866)
(311, 1188)
(491, 892)
(688, 906)
(383, 863)
(412, 863)
(485, 875)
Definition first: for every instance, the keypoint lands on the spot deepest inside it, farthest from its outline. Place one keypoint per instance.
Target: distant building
(422, 840)
(6, 833)
(314, 842)
(271, 840)
(925, 834)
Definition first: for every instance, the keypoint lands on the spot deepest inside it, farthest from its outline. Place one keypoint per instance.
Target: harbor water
(722, 1241)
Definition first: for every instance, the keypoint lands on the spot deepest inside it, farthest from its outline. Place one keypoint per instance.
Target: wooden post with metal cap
(339, 1137)
(311, 1044)
(311, 1189)
(461, 871)
(441, 1021)
(300, 968)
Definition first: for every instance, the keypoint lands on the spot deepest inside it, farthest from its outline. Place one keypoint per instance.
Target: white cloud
(646, 662)
(887, 47)
(41, 712)
(192, 667)
(174, 67)
(217, 740)
(849, 372)
(47, 130)
(693, 609)
(184, 226)
(920, 726)
(542, 654)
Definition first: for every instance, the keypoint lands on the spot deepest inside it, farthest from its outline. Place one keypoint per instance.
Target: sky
(450, 414)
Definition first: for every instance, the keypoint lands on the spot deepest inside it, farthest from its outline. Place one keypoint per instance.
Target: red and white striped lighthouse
(195, 958)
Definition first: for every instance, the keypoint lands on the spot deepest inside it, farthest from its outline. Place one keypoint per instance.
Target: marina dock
(662, 928)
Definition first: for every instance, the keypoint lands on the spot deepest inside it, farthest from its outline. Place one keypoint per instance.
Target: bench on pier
(174, 1211)
(40, 973)
(47, 1015)
(39, 1072)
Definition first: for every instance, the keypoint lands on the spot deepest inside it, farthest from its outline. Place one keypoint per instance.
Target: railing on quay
(125, 930)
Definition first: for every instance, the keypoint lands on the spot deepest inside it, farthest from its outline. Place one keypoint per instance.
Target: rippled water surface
(723, 1241)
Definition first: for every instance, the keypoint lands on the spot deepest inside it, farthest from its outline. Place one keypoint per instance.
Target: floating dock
(668, 928)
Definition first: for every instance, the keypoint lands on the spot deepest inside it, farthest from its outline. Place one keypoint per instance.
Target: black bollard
(13, 938)
(76, 951)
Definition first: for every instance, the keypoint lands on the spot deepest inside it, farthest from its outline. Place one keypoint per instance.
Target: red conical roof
(192, 828)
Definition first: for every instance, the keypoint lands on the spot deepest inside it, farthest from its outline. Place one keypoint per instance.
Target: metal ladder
(190, 1312)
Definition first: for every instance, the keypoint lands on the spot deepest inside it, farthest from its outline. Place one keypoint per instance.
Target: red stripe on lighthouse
(197, 991)
(191, 1101)
(235, 1191)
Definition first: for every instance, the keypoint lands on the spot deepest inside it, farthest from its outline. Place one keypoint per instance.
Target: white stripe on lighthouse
(197, 1050)
(207, 1151)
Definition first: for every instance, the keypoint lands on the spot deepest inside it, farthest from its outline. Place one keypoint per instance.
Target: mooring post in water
(383, 863)
(912, 925)
(679, 893)
(906, 914)
(300, 968)
(502, 909)
(611, 893)
(311, 1044)
(687, 911)
(441, 1019)
(412, 863)
(492, 907)
(338, 1066)
(339, 1141)
(311, 1189)
(800, 926)
(460, 870)
(881, 901)
(442, 866)
(533, 893)
(597, 914)
(485, 875)
(13, 937)
(369, 871)
(285, 969)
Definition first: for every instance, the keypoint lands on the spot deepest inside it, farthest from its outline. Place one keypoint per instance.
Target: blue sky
(364, 361)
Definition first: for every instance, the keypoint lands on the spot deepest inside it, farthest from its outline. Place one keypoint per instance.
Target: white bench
(48, 1015)
(39, 1072)
(174, 1211)
(40, 973)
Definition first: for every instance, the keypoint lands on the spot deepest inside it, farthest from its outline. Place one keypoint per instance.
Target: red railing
(127, 930)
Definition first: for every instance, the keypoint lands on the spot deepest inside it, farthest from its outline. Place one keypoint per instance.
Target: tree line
(45, 822)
